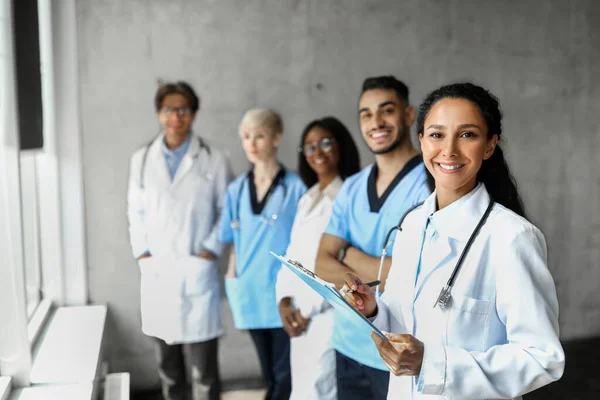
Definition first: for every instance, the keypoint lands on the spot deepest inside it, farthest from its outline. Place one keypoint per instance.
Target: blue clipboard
(330, 293)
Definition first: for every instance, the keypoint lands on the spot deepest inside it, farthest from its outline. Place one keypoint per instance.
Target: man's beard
(402, 135)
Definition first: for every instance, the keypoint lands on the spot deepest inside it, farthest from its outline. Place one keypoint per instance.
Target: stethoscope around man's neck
(445, 293)
(145, 158)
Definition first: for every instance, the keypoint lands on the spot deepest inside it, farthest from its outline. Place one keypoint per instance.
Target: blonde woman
(260, 206)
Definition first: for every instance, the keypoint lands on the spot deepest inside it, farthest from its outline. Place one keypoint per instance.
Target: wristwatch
(342, 254)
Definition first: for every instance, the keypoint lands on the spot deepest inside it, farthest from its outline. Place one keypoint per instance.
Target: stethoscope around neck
(445, 293)
(269, 220)
(145, 159)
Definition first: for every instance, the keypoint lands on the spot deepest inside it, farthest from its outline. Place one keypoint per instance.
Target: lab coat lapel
(469, 215)
(443, 250)
(156, 165)
(459, 230)
(315, 204)
(188, 160)
(411, 246)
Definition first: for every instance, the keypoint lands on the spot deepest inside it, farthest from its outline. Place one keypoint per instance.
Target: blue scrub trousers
(356, 381)
(273, 348)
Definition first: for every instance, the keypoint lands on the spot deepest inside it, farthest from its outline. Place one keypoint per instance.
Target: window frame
(62, 214)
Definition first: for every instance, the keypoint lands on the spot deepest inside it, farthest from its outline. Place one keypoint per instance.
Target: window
(30, 209)
(42, 242)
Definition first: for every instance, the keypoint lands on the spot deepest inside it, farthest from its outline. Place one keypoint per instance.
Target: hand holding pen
(359, 295)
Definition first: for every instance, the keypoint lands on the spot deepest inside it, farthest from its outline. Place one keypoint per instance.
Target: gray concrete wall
(307, 58)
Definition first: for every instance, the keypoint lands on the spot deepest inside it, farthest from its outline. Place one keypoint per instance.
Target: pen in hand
(369, 284)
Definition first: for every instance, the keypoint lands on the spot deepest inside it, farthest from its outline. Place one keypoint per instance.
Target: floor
(581, 380)
(250, 394)
(257, 394)
(247, 389)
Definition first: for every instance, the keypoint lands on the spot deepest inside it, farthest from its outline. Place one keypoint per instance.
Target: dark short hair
(349, 162)
(182, 88)
(386, 82)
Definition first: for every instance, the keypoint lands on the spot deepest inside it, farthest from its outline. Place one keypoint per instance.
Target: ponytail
(500, 183)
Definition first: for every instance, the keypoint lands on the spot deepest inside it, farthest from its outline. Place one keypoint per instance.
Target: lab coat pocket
(467, 322)
(200, 275)
(160, 299)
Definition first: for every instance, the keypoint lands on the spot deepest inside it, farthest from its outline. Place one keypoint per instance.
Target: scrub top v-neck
(258, 206)
(376, 202)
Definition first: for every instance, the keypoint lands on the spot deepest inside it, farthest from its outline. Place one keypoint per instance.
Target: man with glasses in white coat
(176, 188)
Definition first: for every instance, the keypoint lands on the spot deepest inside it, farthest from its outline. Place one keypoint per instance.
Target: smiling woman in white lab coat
(495, 336)
(176, 188)
(327, 156)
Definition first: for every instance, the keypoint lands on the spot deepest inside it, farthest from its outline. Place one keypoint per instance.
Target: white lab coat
(498, 336)
(312, 356)
(175, 220)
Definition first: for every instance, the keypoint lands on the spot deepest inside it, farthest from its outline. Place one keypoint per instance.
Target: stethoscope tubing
(145, 157)
(445, 294)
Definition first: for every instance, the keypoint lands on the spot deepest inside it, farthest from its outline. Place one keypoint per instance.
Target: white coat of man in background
(176, 188)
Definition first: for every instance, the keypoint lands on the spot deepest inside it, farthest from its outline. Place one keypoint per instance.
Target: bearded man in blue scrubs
(368, 205)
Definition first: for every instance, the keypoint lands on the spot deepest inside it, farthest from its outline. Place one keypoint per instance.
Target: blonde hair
(262, 118)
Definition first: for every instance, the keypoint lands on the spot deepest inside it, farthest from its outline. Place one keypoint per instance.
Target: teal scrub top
(251, 293)
(362, 219)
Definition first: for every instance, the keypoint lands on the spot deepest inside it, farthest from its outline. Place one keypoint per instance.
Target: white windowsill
(66, 392)
(4, 387)
(68, 352)
(38, 320)
(67, 356)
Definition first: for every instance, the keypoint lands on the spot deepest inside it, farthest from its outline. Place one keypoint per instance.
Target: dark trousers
(273, 348)
(357, 381)
(202, 359)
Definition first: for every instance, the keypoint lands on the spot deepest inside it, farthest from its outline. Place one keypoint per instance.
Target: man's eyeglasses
(325, 144)
(179, 111)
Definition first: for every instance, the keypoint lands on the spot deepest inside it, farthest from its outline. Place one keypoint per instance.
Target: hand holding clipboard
(333, 296)
(402, 353)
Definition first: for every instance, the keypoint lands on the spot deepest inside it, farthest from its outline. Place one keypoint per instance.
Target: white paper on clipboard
(329, 292)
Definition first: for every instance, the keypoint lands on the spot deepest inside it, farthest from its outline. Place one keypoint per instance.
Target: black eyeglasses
(180, 111)
(325, 144)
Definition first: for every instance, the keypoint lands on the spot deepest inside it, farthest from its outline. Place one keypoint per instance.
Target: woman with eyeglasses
(327, 156)
(260, 206)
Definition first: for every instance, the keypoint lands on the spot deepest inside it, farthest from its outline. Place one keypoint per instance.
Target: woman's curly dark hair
(494, 171)
(349, 160)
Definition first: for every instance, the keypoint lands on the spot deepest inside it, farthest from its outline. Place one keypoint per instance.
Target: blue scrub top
(251, 293)
(363, 220)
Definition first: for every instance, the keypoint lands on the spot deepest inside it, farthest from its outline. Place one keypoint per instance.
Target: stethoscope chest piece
(444, 297)
(235, 224)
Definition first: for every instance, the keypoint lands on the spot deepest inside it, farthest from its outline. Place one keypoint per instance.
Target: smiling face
(259, 143)
(321, 152)
(176, 116)
(454, 145)
(384, 120)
